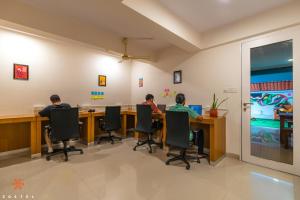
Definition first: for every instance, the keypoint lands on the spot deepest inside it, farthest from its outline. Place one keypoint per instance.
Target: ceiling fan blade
(120, 61)
(140, 38)
(140, 57)
(114, 53)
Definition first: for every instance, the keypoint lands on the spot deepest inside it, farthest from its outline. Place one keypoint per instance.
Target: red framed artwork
(21, 72)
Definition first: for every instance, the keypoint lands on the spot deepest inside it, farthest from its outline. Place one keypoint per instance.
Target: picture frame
(141, 82)
(102, 80)
(20, 72)
(177, 77)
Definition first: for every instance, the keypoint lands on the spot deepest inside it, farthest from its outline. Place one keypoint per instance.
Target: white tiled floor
(118, 173)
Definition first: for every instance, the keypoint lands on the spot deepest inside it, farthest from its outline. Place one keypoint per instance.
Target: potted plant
(213, 112)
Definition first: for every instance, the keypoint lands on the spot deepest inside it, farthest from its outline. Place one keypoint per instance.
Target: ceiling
(104, 22)
(277, 55)
(109, 15)
(208, 14)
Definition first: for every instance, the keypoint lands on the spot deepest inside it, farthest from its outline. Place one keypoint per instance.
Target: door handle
(246, 104)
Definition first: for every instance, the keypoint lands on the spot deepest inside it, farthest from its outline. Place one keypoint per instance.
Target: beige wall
(63, 67)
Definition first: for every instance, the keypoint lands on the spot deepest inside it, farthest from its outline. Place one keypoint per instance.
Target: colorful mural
(266, 104)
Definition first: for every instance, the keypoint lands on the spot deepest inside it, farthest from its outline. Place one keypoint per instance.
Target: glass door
(269, 99)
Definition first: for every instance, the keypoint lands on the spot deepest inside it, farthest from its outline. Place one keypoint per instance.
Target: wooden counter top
(8, 119)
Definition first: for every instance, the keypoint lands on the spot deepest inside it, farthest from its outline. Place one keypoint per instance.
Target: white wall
(62, 67)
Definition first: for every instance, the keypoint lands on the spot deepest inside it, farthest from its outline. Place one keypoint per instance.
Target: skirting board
(14, 152)
(232, 155)
(34, 156)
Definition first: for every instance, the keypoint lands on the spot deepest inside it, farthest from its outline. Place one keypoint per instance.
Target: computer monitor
(162, 107)
(196, 108)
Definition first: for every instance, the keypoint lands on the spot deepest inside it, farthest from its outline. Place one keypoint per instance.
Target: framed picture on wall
(102, 80)
(141, 82)
(177, 77)
(21, 72)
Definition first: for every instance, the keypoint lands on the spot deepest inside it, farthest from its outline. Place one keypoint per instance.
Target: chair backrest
(64, 123)
(162, 107)
(178, 129)
(112, 119)
(144, 118)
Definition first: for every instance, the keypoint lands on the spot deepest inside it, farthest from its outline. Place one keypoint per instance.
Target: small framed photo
(21, 72)
(177, 77)
(141, 82)
(102, 80)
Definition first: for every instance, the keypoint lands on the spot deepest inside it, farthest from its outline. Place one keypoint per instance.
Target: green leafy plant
(216, 102)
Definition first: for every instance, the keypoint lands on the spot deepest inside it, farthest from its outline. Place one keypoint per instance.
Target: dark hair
(180, 98)
(54, 98)
(149, 97)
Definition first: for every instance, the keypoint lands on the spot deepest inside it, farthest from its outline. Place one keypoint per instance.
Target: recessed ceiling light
(290, 60)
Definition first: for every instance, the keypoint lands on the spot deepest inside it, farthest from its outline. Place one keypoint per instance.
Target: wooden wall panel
(14, 136)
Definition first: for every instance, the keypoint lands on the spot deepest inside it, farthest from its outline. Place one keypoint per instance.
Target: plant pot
(213, 112)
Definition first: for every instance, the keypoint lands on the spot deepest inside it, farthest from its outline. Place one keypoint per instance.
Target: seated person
(56, 103)
(150, 101)
(180, 106)
(157, 124)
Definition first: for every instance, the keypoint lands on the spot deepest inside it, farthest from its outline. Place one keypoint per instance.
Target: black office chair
(112, 122)
(64, 126)
(178, 131)
(144, 126)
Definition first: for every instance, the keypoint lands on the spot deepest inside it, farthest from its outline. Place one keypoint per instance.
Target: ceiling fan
(126, 57)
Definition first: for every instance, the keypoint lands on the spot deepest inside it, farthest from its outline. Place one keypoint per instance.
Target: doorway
(268, 102)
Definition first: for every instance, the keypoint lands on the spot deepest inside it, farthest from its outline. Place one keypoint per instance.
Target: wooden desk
(31, 125)
(214, 128)
(10, 129)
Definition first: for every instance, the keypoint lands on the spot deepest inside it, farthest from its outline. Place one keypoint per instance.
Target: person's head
(180, 99)
(149, 97)
(55, 99)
